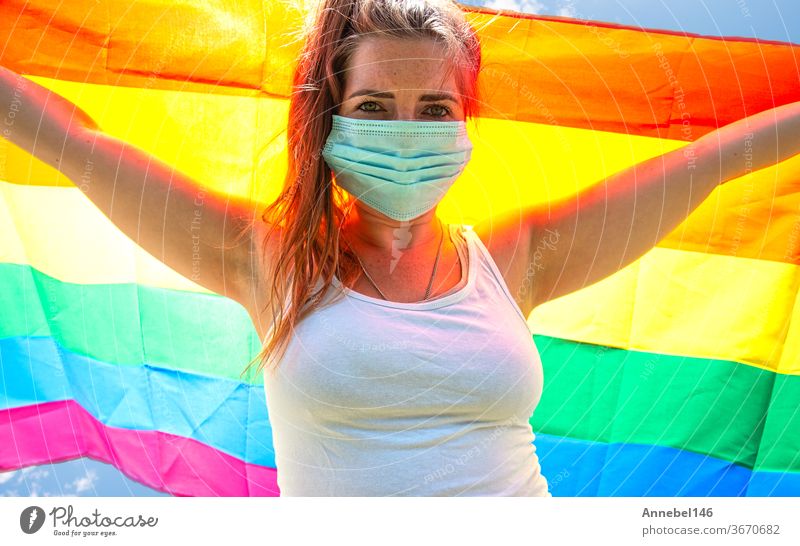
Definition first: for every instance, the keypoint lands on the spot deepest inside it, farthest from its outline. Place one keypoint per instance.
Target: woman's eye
(368, 102)
(444, 110)
(436, 110)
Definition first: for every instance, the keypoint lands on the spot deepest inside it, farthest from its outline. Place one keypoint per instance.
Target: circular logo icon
(31, 519)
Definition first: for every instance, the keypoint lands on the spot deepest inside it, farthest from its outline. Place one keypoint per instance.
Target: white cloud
(28, 475)
(33, 473)
(524, 6)
(32, 476)
(86, 482)
(567, 10)
(28, 478)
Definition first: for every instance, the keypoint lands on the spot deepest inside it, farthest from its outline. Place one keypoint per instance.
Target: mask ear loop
(463, 255)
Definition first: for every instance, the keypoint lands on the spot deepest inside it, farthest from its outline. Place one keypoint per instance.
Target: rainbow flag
(678, 375)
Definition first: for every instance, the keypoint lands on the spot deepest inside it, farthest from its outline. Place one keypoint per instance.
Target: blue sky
(78, 478)
(765, 19)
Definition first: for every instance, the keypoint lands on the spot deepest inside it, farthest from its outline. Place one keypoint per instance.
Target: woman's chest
(469, 361)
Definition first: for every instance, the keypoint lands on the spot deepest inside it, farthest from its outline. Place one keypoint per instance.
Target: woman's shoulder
(504, 236)
(508, 242)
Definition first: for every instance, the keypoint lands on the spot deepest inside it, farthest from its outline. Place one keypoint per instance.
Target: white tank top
(433, 398)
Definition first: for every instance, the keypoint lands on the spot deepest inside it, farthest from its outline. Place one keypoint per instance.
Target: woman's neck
(377, 232)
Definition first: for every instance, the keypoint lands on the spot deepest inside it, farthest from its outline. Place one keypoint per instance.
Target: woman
(399, 355)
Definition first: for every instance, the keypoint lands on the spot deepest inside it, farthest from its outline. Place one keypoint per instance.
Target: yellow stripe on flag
(688, 304)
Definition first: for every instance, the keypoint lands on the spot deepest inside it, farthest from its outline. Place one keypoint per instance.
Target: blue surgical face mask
(401, 168)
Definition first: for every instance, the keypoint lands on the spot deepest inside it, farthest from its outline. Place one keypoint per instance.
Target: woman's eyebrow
(429, 97)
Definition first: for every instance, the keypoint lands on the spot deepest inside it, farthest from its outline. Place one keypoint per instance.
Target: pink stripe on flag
(60, 431)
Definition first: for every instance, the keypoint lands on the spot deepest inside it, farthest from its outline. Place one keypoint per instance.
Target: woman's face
(400, 79)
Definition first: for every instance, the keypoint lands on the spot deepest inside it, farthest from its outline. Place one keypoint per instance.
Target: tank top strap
(489, 264)
(460, 243)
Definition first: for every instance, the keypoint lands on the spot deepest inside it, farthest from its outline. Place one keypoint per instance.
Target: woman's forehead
(400, 64)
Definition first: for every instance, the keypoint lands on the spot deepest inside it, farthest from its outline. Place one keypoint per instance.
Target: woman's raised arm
(204, 236)
(614, 222)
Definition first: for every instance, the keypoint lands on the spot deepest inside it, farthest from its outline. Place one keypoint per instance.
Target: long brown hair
(308, 211)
